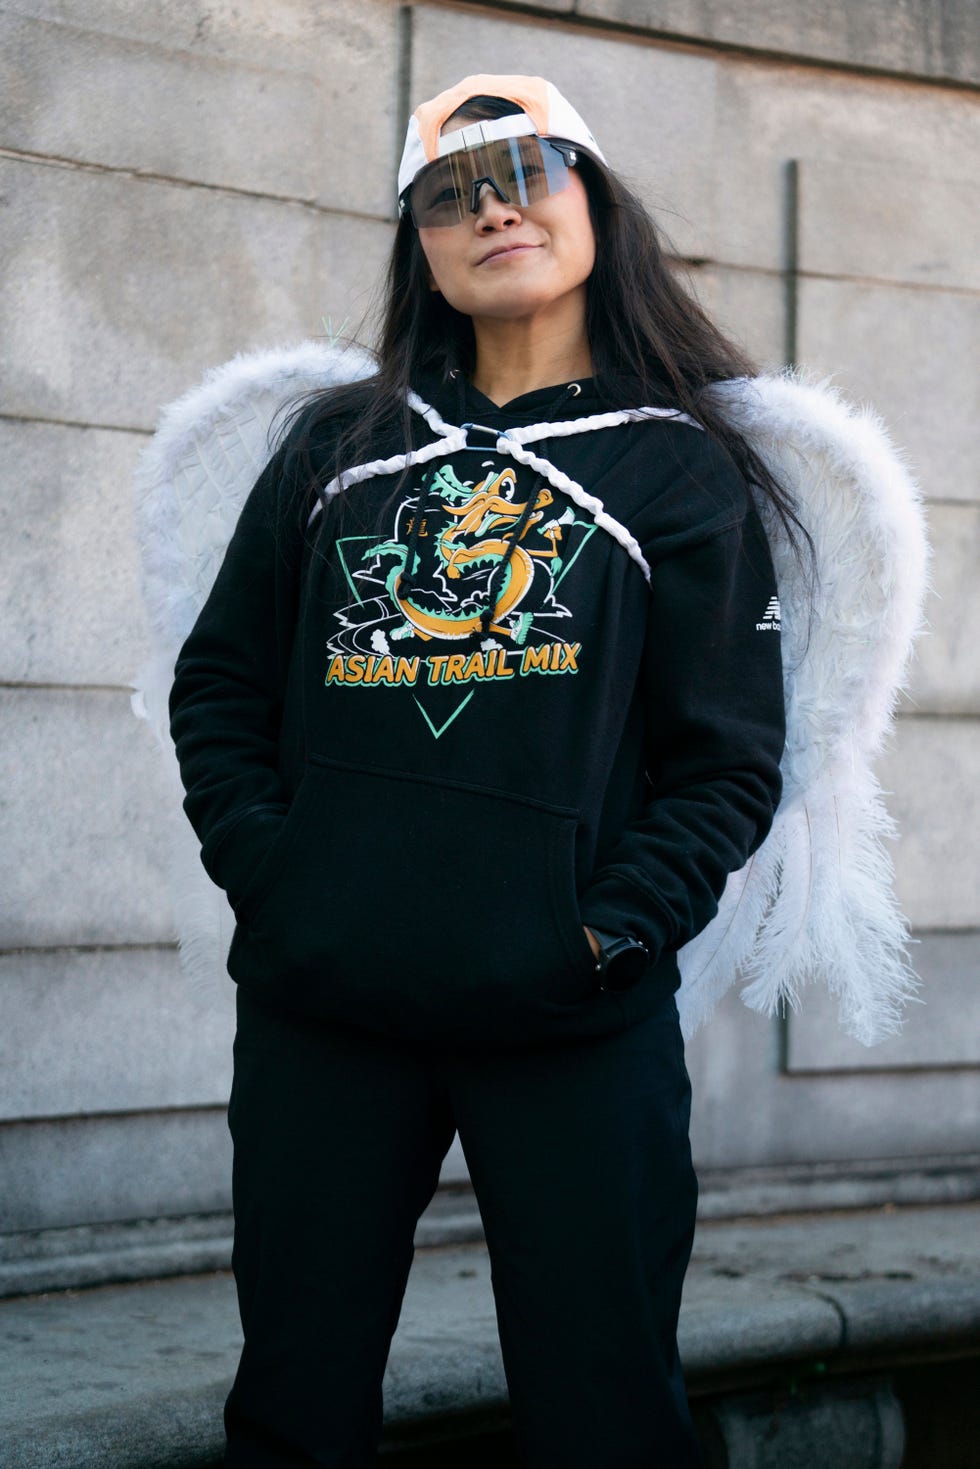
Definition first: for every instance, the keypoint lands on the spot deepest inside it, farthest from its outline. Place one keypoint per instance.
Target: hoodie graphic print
(462, 590)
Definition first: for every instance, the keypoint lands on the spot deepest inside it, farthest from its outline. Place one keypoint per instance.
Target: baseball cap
(549, 114)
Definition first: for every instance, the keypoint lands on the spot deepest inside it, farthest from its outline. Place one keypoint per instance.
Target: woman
(473, 726)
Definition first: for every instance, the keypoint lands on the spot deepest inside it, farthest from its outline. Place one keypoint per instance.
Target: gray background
(179, 184)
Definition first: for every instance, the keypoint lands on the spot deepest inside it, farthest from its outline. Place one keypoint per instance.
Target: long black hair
(643, 328)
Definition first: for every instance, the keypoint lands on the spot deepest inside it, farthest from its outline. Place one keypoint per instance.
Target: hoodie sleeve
(229, 681)
(713, 695)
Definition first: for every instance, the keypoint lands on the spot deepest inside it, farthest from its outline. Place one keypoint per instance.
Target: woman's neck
(516, 357)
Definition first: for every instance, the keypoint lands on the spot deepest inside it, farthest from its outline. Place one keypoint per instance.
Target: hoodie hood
(458, 401)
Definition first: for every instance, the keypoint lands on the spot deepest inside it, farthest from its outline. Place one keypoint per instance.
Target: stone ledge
(129, 1377)
(86, 1255)
(116, 1252)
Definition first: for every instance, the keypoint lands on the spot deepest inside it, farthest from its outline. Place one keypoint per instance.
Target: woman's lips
(508, 254)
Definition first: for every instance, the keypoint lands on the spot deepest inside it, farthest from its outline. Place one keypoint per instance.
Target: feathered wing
(817, 900)
(191, 483)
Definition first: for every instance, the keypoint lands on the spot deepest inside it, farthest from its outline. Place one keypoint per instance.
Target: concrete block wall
(179, 185)
(176, 189)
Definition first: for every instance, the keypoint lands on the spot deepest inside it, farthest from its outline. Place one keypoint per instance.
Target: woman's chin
(516, 305)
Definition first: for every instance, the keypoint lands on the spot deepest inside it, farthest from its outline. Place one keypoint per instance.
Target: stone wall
(179, 184)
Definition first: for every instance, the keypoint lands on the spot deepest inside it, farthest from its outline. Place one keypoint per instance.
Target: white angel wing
(191, 482)
(817, 899)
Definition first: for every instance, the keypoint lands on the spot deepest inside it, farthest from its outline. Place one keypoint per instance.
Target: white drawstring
(511, 441)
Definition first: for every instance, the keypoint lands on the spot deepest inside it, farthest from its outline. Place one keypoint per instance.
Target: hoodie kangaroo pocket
(264, 875)
(418, 906)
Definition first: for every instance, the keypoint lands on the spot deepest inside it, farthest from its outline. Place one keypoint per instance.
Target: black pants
(580, 1161)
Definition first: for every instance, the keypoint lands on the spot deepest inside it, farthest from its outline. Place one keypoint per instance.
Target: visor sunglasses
(519, 171)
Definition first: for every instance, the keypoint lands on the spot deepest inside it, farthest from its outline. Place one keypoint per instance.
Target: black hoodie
(424, 749)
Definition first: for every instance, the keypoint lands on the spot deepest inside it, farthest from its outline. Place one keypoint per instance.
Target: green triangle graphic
(557, 581)
(343, 561)
(442, 729)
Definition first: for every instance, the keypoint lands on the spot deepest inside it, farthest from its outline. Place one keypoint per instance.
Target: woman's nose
(492, 211)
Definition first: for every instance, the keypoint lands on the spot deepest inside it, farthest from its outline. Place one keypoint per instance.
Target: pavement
(134, 1376)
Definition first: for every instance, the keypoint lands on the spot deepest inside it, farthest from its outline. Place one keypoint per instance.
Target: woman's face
(509, 262)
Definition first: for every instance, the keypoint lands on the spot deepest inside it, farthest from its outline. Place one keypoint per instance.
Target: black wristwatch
(622, 960)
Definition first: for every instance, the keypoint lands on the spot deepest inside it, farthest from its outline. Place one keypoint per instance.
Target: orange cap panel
(530, 93)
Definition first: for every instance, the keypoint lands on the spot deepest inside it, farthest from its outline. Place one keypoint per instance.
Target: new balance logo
(770, 618)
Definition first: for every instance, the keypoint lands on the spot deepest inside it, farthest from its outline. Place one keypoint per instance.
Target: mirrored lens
(522, 170)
